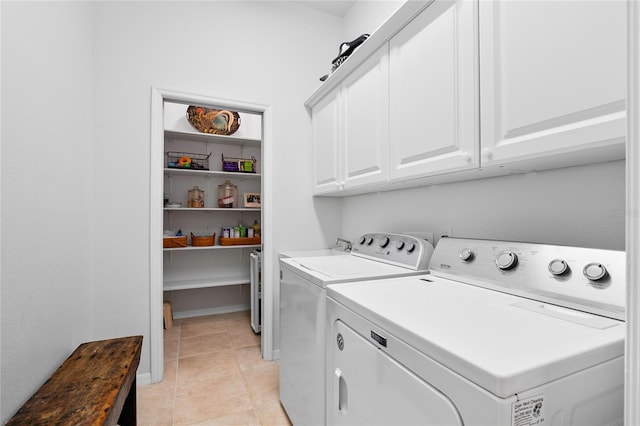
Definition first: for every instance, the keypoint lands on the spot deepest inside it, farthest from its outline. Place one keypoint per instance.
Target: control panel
(591, 280)
(398, 249)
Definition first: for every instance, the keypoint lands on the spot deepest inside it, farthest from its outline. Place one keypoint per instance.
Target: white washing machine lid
(505, 344)
(323, 270)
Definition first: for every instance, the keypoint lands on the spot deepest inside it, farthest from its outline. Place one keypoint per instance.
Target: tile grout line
(175, 385)
(246, 384)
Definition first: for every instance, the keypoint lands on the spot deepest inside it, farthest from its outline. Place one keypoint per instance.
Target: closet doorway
(161, 101)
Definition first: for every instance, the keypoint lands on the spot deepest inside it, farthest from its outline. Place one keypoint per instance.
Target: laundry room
(454, 120)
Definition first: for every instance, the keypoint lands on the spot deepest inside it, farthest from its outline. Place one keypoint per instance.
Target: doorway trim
(158, 97)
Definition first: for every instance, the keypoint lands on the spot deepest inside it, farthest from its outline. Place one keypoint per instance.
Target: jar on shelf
(227, 195)
(196, 197)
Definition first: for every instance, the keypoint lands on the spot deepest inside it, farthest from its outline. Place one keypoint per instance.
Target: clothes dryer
(303, 311)
(500, 333)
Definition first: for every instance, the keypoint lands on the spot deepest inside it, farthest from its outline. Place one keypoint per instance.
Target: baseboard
(143, 379)
(211, 311)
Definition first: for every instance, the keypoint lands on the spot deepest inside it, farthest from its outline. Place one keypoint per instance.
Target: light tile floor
(213, 375)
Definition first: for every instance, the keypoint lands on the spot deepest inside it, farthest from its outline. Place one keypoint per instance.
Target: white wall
(46, 191)
(76, 83)
(580, 206)
(262, 52)
(366, 16)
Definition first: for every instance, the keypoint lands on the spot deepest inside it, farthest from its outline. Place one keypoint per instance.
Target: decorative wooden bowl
(215, 121)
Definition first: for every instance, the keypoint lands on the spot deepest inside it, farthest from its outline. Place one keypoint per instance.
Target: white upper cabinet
(326, 157)
(350, 129)
(433, 92)
(447, 89)
(365, 118)
(553, 82)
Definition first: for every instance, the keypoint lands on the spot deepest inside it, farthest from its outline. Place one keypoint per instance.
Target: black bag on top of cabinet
(344, 51)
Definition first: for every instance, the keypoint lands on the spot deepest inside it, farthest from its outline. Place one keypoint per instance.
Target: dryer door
(371, 388)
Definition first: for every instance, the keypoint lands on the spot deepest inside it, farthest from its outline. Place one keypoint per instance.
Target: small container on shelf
(227, 195)
(174, 242)
(174, 239)
(239, 165)
(196, 197)
(187, 160)
(202, 241)
(240, 241)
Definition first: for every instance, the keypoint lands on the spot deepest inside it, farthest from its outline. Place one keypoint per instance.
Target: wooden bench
(96, 385)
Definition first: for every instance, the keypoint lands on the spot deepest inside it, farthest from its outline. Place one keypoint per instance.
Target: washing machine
(303, 320)
(499, 333)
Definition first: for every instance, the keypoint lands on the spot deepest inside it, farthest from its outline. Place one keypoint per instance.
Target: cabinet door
(433, 92)
(326, 144)
(553, 81)
(365, 118)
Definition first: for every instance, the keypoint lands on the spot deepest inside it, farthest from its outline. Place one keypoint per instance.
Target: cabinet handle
(342, 391)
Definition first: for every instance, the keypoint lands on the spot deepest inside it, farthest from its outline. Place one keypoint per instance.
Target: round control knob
(362, 240)
(558, 267)
(466, 254)
(384, 241)
(506, 260)
(411, 247)
(400, 245)
(369, 241)
(595, 271)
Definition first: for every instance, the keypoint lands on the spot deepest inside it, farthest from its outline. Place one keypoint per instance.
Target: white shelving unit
(211, 138)
(204, 283)
(188, 248)
(188, 268)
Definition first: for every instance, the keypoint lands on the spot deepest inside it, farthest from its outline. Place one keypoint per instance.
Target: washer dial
(400, 245)
(384, 241)
(595, 271)
(466, 254)
(411, 247)
(506, 260)
(558, 267)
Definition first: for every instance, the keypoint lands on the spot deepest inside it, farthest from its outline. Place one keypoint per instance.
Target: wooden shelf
(204, 283)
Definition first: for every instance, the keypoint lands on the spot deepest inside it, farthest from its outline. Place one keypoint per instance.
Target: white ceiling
(333, 7)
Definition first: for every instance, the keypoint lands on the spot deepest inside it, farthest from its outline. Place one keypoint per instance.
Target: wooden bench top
(89, 388)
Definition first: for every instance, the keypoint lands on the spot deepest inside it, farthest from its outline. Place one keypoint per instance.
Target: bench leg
(128, 415)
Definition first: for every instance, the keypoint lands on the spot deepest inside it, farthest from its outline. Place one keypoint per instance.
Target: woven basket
(173, 242)
(202, 241)
(215, 121)
(240, 241)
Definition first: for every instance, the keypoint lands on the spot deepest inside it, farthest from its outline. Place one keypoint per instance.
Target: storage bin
(242, 165)
(239, 241)
(187, 160)
(173, 242)
(202, 241)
